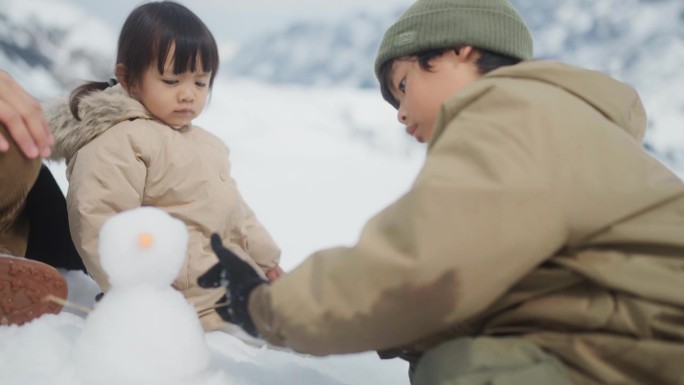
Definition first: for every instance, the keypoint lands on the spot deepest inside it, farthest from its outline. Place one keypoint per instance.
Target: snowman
(142, 331)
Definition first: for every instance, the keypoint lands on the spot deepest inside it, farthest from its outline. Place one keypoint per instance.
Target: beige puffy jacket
(119, 157)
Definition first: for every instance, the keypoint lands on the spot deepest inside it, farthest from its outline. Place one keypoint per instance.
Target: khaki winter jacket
(119, 157)
(17, 176)
(537, 214)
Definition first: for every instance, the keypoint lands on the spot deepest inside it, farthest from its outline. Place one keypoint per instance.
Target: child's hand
(240, 278)
(274, 273)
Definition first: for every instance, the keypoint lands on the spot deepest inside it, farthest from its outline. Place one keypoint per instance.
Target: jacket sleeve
(260, 245)
(251, 235)
(106, 176)
(481, 214)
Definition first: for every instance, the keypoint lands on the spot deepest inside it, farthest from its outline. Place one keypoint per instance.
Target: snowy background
(315, 150)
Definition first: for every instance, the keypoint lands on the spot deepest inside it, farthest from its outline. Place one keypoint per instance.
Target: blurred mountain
(640, 42)
(50, 45)
(613, 35)
(316, 52)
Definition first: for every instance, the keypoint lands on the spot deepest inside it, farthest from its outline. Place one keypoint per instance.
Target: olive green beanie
(493, 25)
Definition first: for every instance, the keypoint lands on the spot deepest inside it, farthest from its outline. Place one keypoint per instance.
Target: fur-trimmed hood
(98, 110)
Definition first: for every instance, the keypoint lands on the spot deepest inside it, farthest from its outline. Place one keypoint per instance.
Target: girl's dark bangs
(163, 47)
(187, 51)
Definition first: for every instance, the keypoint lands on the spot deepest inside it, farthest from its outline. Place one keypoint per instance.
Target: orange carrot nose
(145, 240)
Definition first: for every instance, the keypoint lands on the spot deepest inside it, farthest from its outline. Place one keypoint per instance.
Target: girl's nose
(187, 95)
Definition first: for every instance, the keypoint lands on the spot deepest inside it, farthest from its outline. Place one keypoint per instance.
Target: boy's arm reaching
(482, 213)
(239, 277)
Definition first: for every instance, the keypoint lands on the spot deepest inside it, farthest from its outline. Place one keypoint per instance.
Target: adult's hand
(21, 114)
(240, 279)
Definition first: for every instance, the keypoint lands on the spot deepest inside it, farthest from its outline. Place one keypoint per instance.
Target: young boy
(540, 244)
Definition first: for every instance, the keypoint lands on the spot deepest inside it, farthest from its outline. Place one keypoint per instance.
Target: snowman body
(142, 330)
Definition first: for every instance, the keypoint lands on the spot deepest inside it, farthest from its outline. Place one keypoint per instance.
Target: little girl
(134, 144)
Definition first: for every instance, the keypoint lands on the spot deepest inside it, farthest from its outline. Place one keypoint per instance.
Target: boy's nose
(401, 117)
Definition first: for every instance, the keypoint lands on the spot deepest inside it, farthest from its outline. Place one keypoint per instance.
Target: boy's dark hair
(146, 39)
(487, 62)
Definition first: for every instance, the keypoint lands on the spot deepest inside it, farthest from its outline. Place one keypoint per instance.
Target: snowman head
(144, 246)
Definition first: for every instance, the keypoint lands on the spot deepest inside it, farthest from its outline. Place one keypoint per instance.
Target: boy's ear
(467, 54)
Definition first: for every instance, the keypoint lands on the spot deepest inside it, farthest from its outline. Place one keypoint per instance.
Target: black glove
(240, 279)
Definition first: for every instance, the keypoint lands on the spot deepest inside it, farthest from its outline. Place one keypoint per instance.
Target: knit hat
(493, 25)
